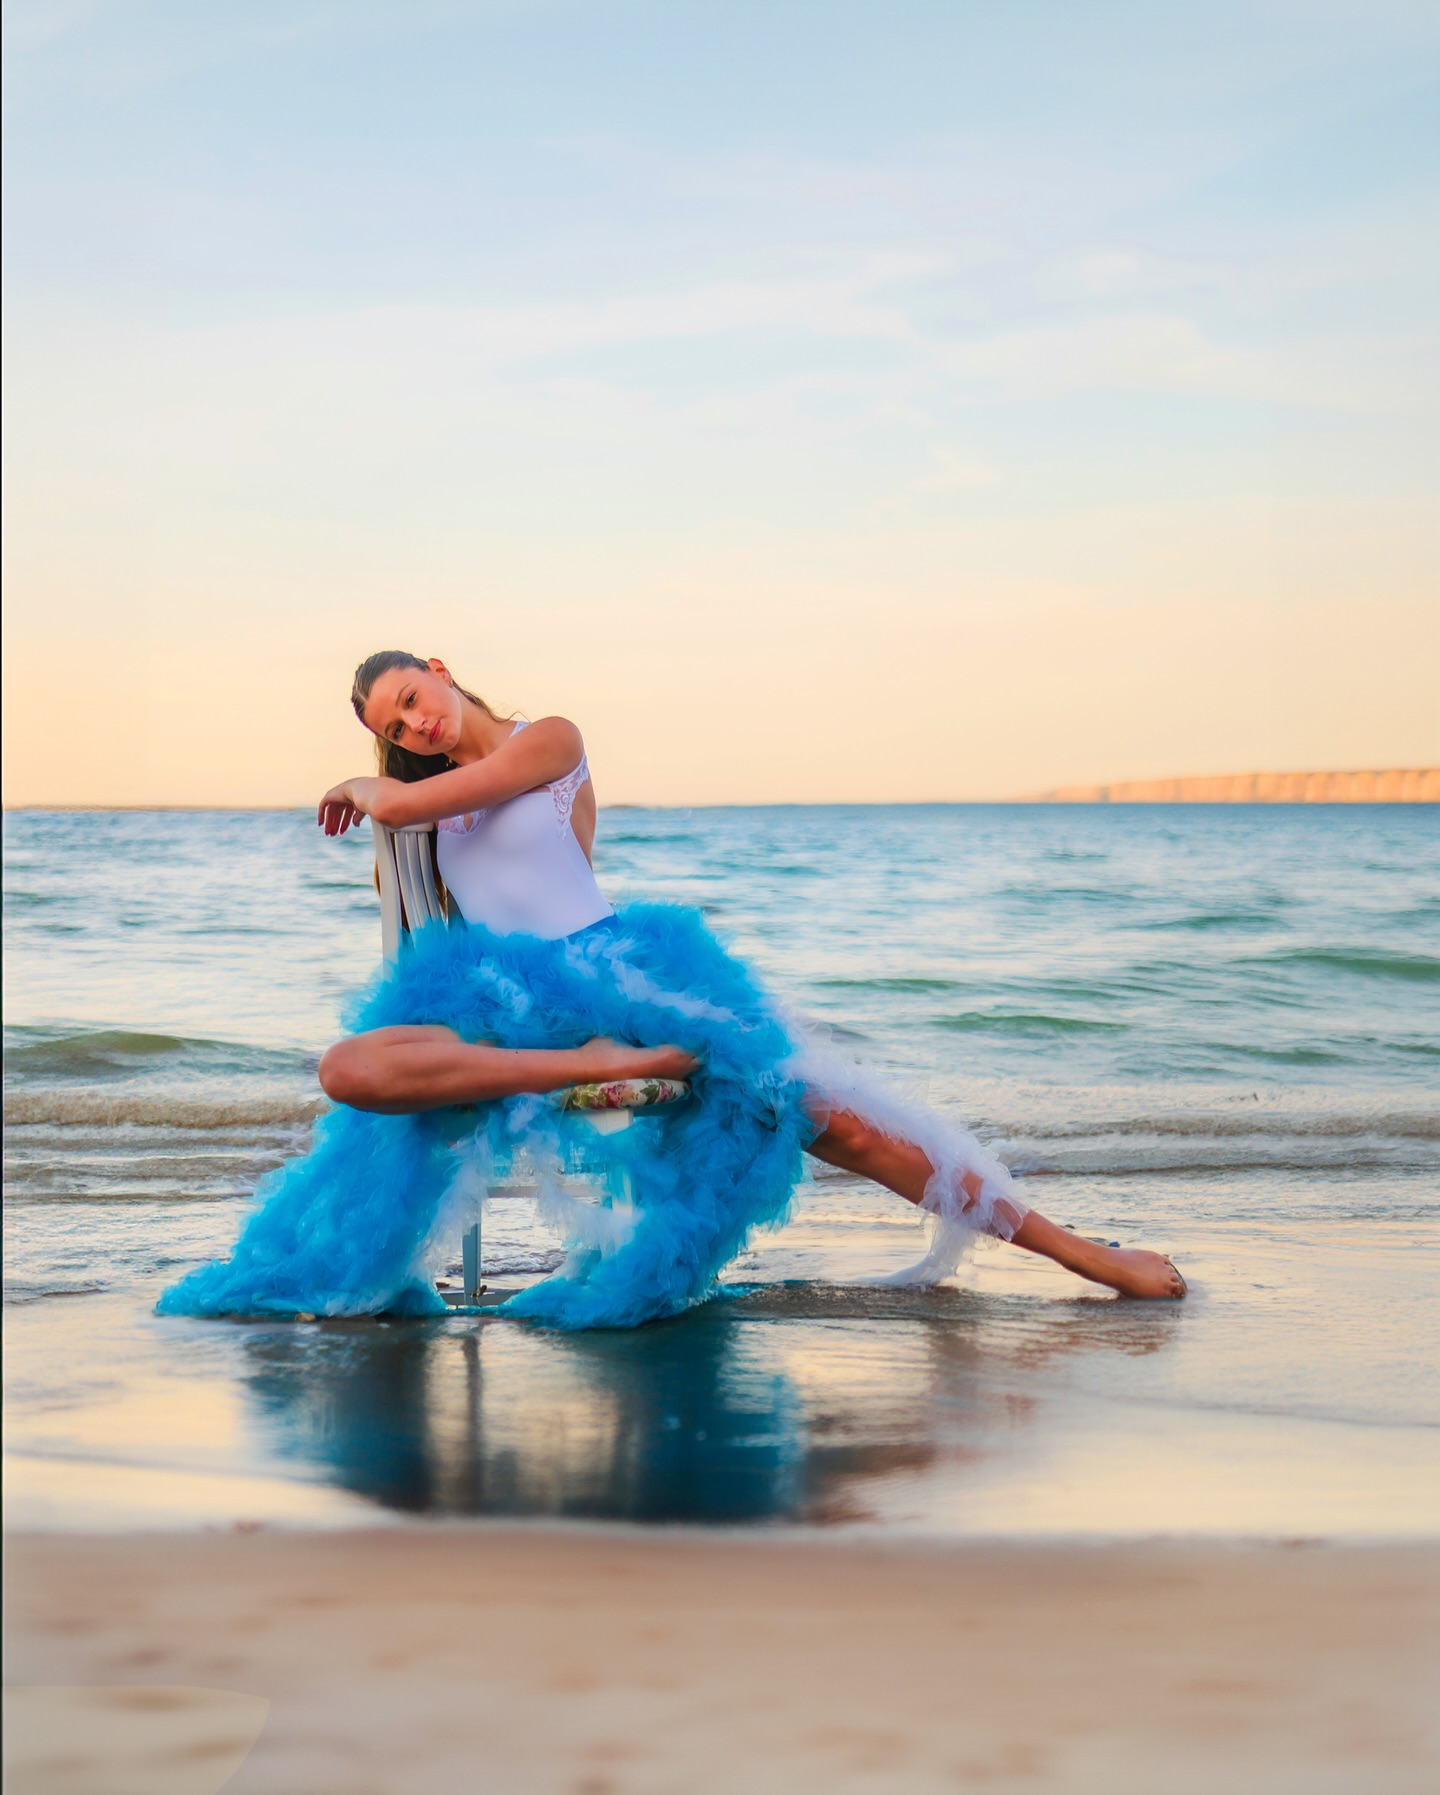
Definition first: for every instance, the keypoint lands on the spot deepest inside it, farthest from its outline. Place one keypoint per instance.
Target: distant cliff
(1395, 785)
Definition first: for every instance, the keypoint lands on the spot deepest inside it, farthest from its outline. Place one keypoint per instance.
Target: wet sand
(600, 1661)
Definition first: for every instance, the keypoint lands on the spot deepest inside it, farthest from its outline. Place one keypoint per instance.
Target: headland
(1390, 785)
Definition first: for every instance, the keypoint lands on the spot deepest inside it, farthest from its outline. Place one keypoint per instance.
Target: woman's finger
(336, 815)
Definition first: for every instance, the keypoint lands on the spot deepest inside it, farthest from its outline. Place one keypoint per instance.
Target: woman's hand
(344, 804)
(338, 809)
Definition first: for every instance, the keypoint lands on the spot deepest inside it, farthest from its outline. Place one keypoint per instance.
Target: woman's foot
(1135, 1272)
(1130, 1270)
(606, 1060)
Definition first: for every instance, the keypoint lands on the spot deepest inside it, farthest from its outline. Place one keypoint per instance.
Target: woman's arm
(547, 750)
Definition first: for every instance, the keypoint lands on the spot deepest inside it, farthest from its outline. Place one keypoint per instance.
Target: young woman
(515, 810)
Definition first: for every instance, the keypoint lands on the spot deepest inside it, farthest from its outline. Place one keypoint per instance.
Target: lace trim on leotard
(563, 791)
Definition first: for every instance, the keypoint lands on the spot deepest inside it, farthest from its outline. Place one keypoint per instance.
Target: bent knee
(848, 1134)
(343, 1074)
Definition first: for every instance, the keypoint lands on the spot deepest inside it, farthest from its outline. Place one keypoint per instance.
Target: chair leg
(470, 1254)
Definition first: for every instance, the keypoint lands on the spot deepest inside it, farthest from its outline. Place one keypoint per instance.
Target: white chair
(405, 873)
(410, 898)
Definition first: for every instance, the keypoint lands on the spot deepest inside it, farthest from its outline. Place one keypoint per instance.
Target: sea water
(1213, 1030)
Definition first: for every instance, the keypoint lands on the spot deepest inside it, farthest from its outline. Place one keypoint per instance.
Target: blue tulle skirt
(349, 1228)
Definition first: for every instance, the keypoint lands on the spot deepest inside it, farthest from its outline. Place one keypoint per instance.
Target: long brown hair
(397, 762)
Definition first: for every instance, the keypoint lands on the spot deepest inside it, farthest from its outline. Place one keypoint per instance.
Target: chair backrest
(409, 897)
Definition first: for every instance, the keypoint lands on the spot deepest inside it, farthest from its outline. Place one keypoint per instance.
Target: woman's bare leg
(853, 1144)
(399, 1071)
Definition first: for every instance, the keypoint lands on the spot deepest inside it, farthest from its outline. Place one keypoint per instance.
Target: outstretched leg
(398, 1071)
(853, 1144)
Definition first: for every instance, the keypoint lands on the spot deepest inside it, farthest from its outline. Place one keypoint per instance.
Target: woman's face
(417, 708)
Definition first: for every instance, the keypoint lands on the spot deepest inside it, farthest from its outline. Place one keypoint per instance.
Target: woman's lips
(434, 735)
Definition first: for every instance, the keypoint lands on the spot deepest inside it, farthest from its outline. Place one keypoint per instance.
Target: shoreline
(609, 1659)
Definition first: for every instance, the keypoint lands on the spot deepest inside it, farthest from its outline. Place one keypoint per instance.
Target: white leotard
(518, 867)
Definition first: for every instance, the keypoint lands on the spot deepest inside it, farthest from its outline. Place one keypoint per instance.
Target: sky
(842, 402)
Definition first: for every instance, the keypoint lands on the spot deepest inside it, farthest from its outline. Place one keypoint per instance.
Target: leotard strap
(566, 789)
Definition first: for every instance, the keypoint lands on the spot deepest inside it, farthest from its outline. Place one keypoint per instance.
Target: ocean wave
(17, 1295)
(29, 1163)
(888, 984)
(1048, 895)
(1157, 1158)
(100, 1050)
(1275, 1056)
(636, 838)
(1033, 1022)
(1213, 919)
(509, 1264)
(155, 1109)
(94, 1053)
(1409, 1124)
(1369, 962)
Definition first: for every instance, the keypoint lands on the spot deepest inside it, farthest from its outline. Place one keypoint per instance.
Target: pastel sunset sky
(815, 401)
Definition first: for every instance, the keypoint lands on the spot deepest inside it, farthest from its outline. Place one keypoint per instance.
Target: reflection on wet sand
(782, 1402)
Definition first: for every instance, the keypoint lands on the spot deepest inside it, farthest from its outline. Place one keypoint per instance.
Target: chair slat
(427, 879)
(403, 870)
(410, 886)
(392, 921)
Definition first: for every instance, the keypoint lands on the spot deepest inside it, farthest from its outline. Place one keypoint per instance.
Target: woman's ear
(440, 670)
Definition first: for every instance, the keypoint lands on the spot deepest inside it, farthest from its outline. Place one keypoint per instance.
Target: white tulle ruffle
(840, 1084)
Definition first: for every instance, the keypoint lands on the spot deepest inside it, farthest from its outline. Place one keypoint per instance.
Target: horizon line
(1386, 785)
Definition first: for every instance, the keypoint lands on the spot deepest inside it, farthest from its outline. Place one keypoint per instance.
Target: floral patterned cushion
(624, 1093)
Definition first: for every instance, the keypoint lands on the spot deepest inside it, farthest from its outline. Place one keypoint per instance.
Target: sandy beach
(600, 1662)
